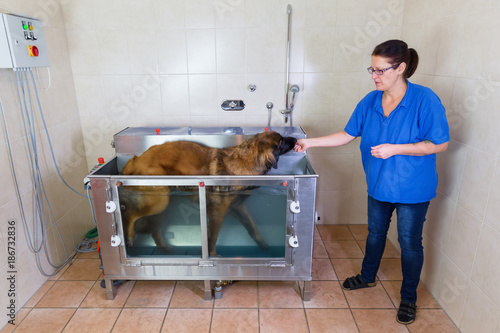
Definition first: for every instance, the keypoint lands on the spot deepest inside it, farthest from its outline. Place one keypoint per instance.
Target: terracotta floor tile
(319, 250)
(432, 320)
(83, 269)
(92, 321)
(140, 320)
(343, 249)
(190, 294)
(20, 315)
(59, 274)
(235, 320)
(39, 294)
(322, 269)
(273, 294)
(316, 233)
(326, 294)
(239, 294)
(283, 320)
(45, 321)
(390, 269)
(65, 294)
(424, 297)
(96, 298)
(345, 268)
(246, 306)
(377, 320)
(146, 294)
(199, 321)
(389, 252)
(334, 232)
(359, 231)
(368, 298)
(330, 321)
(89, 255)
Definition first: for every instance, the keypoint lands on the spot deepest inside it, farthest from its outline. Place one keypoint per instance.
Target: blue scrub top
(419, 116)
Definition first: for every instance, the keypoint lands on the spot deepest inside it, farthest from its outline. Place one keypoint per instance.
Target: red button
(33, 50)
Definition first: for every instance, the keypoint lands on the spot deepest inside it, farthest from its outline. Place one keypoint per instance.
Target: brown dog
(255, 156)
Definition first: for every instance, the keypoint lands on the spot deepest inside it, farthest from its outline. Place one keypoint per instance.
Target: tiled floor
(73, 301)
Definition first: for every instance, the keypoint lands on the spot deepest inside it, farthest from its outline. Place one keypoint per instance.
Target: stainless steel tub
(282, 204)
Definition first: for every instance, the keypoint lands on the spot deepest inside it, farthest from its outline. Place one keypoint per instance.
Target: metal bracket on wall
(232, 105)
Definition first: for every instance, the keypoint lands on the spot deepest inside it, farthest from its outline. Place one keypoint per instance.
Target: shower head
(294, 88)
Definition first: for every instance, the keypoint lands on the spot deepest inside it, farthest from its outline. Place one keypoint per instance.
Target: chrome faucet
(269, 107)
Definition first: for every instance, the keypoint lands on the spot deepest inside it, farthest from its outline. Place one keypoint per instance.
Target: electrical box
(22, 42)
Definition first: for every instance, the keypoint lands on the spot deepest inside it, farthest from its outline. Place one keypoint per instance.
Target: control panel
(22, 42)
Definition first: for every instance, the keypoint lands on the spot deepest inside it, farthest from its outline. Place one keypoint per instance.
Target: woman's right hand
(301, 146)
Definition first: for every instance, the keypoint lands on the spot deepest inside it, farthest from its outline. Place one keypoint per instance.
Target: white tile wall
(462, 224)
(59, 104)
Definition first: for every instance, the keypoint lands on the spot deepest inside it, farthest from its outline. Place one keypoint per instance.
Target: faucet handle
(269, 106)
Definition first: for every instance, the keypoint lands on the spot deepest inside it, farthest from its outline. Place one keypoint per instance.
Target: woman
(402, 126)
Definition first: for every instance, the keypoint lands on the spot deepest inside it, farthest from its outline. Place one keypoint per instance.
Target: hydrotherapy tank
(282, 204)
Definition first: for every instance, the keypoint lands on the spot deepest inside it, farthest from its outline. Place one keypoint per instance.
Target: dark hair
(398, 52)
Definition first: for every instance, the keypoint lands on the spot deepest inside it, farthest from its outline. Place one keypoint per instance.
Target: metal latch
(277, 264)
(295, 207)
(293, 241)
(134, 264)
(206, 263)
(110, 206)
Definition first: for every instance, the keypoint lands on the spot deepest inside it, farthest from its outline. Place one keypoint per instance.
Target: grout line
(213, 308)
(18, 324)
(70, 318)
(258, 306)
(168, 307)
(116, 320)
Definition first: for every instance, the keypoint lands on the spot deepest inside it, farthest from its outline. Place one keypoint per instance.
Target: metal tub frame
(295, 265)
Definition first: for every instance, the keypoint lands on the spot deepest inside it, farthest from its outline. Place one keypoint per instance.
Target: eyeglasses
(380, 71)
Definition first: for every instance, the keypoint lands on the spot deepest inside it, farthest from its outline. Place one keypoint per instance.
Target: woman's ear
(401, 68)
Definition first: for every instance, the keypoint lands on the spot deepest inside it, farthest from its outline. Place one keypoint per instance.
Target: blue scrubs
(419, 116)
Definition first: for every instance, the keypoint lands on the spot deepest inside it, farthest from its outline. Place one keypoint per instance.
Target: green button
(25, 27)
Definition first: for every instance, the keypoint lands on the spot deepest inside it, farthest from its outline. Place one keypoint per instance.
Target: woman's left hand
(383, 151)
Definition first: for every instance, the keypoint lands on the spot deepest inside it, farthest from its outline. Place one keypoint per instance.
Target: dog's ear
(276, 155)
(268, 157)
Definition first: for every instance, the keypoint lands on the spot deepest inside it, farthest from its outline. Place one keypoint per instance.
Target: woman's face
(390, 78)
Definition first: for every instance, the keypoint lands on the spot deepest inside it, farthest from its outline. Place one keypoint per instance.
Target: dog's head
(271, 145)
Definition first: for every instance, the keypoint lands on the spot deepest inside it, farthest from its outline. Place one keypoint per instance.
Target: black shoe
(356, 282)
(406, 313)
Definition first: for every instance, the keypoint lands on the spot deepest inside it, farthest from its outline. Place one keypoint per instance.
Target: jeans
(410, 219)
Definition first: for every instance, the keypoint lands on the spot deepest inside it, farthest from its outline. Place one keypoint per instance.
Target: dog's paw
(167, 249)
(263, 245)
(213, 254)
